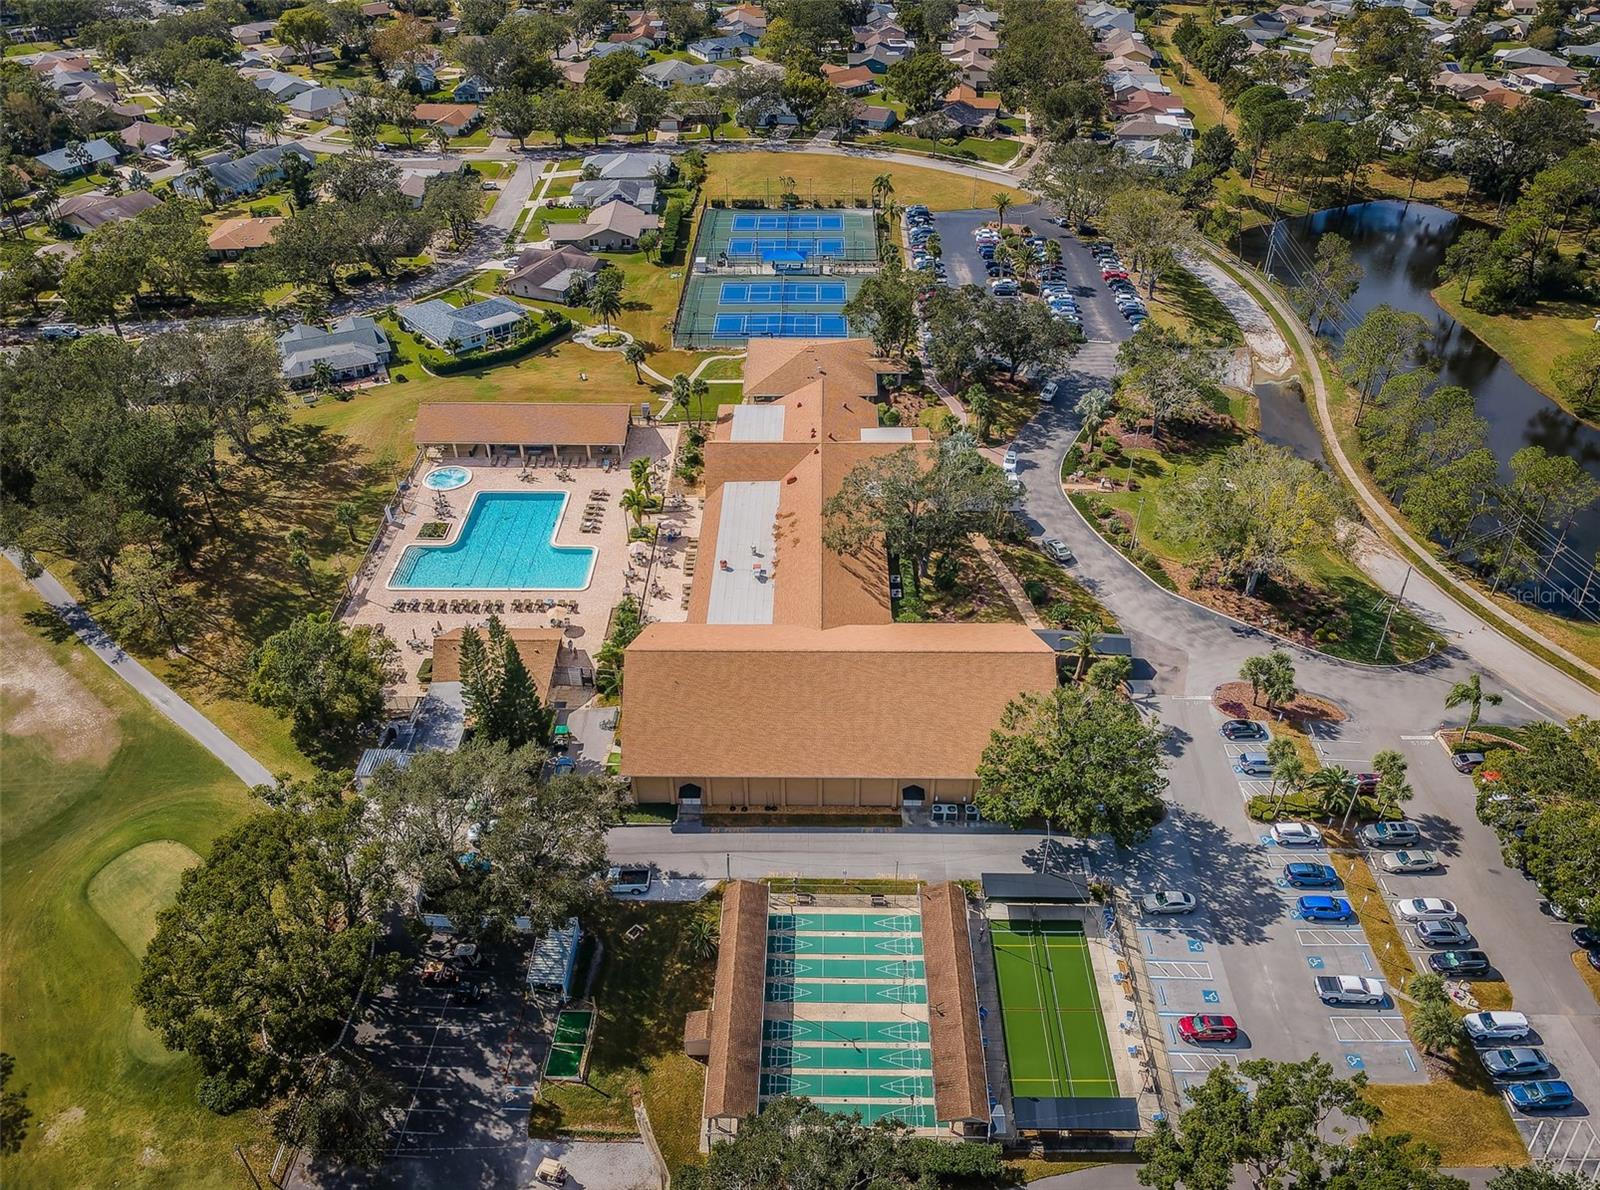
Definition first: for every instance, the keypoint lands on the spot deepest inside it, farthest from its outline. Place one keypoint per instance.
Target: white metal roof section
(741, 578)
(757, 423)
(887, 434)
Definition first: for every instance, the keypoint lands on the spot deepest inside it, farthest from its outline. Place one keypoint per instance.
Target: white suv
(1496, 1026)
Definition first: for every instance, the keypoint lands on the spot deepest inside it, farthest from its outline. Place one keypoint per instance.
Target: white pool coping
(454, 538)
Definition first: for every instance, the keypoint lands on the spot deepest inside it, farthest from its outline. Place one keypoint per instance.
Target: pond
(1400, 247)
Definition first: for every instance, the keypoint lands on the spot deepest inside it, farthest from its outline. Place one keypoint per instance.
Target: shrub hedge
(557, 325)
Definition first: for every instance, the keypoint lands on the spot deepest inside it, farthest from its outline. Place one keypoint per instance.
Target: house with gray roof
(1527, 56)
(721, 49)
(675, 71)
(279, 84)
(353, 348)
(244, 175)
(615, 227)
(463, 328)
(546, 274)
(635, 192)
(611, 166)
(320, 103)
(74, 159)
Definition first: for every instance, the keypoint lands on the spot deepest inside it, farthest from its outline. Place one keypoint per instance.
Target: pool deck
(371, 601)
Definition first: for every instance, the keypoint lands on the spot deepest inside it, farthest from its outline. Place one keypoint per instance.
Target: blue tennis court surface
(781, 326)
(788, 221)
(809, 245)
(776, 293)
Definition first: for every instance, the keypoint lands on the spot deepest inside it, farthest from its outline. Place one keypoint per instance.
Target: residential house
(850, 80)
(463, 328)
(1585, 54)
(1549, 79)
(1149, 141)
(1522, 8)
(976, 69)
(455, 118)
(612, 166)
(1122, 81)
(547, 274)
(636, 192)
(1101, 18)
(321, 103)
(1148, 103)
(771, 116)
(676, 72)
(421, 77)
(879, 59)
(276, 83)
(743, 18)
(79, 157)
(148, 137)
(968, 119)
(970, 15)
(471, 89)
(47, 61)
(354, 348)
(984, 41)
(721, 49)
(377, 10)
(1127, 49)
(1457, 9)
(1526, 56)
(234, 238)
(574, 73)
(1499, 96)
(253, 33)
(877, 119)
(244, 175)
(605, 49)
(83, 213)
(1463, 85)
(738, 705)
(614, 227)
(1261, 28)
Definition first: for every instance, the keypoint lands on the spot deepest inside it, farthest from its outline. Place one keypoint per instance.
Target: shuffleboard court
(835, 967)
(784, 991)
(780, 326)
(842, 944)
(779, 293)
(813, 921)
(847, 1057)
(787, 221)
(913, 1117)
(883, 1032)
(854, 1087)
(1056, 1041)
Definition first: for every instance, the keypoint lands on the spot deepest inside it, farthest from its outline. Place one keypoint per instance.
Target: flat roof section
(757, 423)
(742, 580)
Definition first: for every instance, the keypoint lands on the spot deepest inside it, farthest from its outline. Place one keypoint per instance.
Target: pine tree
(477, 680)
(518, 712)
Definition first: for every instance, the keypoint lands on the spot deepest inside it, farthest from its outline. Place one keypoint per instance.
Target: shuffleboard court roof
(1033, 886)
(1075, 1115)
(960, 1087)
(734, 1064)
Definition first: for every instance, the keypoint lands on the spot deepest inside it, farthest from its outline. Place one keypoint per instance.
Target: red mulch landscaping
(1233, 700)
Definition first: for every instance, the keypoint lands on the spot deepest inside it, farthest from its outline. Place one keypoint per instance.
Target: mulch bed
(1233, 700)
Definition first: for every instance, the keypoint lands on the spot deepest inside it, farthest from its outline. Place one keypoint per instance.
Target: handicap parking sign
(1210, 995)
(1314, 961)
(1355, 1062)
(1268, 841)
(1196, 946)
(1294, 915)
(1281, 882)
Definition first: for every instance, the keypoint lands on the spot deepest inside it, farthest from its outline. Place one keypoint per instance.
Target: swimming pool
(445, 479)
(507, 543)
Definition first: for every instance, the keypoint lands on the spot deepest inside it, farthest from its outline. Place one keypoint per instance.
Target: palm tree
(1393, 788)
(1472, 693)
(635, 504)
(639, 471)
(440, 136)
(1087, 626)
(1332, 785)
(882, 188)
(634, 354)
(1288, 778)
(680, 396)
(1094, 407)
(1255, 671)
(981, 405)
(1002, 204)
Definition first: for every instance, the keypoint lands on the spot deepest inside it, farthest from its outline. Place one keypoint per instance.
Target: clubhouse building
(790, 686)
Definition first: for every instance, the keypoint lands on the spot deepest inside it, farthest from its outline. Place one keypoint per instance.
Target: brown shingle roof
(540, 649)
(232, 235)
(777, 367)
(960, 1087)
(865, 700)
(734, 1066)
(528, 424)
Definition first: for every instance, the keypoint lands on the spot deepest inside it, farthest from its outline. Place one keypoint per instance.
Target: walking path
(1008, 582)
(160, 695)
(1510, 659)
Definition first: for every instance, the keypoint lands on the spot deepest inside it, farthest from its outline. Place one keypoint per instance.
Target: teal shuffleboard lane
(799, 991)
(835, 967)
(844, 944)
(847, 921)
(799, 1059)
(882, 1032)
(848, 1087)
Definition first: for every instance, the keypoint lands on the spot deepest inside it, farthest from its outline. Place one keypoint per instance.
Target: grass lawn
(730, 369)
(846, 177)
(645, 989)
(1462, 1116)
(1031, 566)
(1183, 303)
(992, 150)
(975, 596)
(1590, 976)
(1529, 340)
(104, 804)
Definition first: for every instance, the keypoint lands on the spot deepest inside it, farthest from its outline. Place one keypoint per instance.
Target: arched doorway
(688, 792)
(913, 793)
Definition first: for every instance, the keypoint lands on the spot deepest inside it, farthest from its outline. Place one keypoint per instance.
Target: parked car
(1496, 1026)
(1168, 902)
(1459, 962)
(1324, 909)
(629, 881)
(1137, 320)
(1253, 764)
(1107, 274)
(1518, 1061)
(1351, 989)
(1243, 729)
(1296, 834)
(1391, 834)
(1443, 934)
(1410, 862)
(1306, 875)
(1009, 463)
(1465, 762)
(1585, 938)
(1059, 550)
(1425, 909)
(1541, 1095)
(1004, 287)
(59, 330)
(1206, 1027)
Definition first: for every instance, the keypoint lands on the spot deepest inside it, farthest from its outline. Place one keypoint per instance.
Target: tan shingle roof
(733, 1068)
(243, 232)
(960, 1087)
(540, 649)
(880, 700)
(777, 367)
(530, 424)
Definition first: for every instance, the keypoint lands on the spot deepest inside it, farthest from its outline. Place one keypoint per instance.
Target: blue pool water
(507, 543)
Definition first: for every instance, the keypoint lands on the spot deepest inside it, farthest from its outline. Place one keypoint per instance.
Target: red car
(1109, 274)
(1208, 1028)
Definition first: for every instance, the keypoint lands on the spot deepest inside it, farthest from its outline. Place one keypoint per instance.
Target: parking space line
(1377, 1030)
(1188, 1062)
(1351, 936)
(1564, 1145)
(1177, 969)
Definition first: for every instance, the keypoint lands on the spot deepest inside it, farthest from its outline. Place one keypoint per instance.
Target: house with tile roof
(233, 238)
(790, 684)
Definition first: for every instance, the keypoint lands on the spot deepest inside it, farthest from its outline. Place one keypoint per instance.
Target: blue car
(1325, 909)
(1306, 875)
(1543, 1095)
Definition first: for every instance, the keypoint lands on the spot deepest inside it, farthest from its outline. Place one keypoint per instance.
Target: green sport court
(567, 1046)
(1055, 1035)
(880, 1066)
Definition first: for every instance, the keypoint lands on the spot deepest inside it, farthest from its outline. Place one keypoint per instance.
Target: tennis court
(788, 221)
(842, 235)
(567, 1046)
(781, 326)
(1055, 1035)
(778, 293)
(764, 247)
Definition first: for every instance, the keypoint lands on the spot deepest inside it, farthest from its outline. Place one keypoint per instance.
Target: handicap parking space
(1565, 1144)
